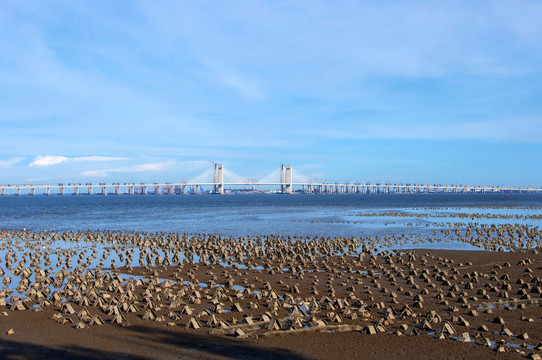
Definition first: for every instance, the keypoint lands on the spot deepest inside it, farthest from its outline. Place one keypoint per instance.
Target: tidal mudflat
(454, 282)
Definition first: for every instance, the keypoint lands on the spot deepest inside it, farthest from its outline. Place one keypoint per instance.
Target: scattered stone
(505, 331)
(465, 337)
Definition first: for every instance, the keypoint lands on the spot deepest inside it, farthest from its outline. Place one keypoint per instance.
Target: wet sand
(294, 305)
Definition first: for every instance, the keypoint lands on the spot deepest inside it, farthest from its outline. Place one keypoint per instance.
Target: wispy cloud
(100, 158)
(47, 160)
(10, 162)
(242, 83)
(249, 81)
(150, 167)
(511, 130)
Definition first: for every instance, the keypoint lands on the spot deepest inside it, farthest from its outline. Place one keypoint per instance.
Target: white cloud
(47, 160)
(10, 162)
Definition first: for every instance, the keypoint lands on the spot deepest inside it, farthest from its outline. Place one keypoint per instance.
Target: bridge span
(285, 185)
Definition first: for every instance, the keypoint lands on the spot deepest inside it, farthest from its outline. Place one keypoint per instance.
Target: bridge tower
(286, 179)
(219, 179)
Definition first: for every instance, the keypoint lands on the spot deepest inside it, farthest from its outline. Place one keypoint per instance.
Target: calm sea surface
(253, 214)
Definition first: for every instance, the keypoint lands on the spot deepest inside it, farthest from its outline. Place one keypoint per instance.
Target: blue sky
(418, 91)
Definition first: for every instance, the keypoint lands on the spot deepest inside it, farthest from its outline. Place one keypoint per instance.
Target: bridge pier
(143, 188)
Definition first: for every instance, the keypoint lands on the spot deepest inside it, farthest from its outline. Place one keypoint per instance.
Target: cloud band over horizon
(48, 160)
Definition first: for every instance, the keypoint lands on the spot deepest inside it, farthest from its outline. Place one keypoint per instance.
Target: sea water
(257, 214)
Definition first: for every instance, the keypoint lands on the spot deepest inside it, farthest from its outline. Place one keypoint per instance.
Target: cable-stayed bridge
(218, 180)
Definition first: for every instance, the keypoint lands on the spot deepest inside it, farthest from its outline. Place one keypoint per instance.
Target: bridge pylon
(219, 179)
(286, 178)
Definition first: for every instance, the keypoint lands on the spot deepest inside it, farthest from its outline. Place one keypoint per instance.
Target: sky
(358, 91)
